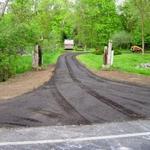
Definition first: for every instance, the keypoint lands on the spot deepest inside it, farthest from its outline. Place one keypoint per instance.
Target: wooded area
(26, 23)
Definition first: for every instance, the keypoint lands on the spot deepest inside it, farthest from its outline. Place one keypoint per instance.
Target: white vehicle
(69, 44)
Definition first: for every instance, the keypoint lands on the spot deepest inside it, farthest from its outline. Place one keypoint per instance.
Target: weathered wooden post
(105, 55)
(108, 55)
(35, 57)
(40, 56)
(112, 57)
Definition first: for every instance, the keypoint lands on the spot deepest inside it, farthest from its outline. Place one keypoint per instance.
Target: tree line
(24, 23)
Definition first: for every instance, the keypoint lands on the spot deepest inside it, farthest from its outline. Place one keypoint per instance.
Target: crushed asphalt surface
(76, 96)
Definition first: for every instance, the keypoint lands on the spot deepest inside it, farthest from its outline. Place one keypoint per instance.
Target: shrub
(6, 67)
(98, 52)
(117, 52)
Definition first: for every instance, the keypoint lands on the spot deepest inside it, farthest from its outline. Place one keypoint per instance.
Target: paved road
(134, 135)
(76, 96)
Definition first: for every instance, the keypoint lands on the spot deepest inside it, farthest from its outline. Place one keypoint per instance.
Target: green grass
(51, 57)
(124, 62)
(24, 63)
(92, 61)
(129, 63)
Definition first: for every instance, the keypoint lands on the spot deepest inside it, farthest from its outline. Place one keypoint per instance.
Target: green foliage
(135, 17)
(98, 51)
(21, 64)
(26, 23)
(117, 52)
(96, 21)
(6, 66)
(92, 61)
(51, 57)
(90, 23)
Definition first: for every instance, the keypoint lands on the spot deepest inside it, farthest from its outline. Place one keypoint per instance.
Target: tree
(4, 8)
(142, 9)
(96, 21)
(136, 14)
(121, 39)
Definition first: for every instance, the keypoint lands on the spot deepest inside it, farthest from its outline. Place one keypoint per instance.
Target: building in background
(69, 44)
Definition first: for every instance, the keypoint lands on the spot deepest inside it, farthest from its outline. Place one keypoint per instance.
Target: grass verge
(24, 63)
(124, 62)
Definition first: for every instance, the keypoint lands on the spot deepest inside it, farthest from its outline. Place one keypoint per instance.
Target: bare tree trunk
(141, 7)
(4, 8)
(142, 34)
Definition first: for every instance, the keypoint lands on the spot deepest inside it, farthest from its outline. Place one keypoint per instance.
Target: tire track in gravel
(131, 114)
(67, 107)
(102, 79)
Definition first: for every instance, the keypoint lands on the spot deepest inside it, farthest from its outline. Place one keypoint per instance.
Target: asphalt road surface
(76, 96)
(134, 135)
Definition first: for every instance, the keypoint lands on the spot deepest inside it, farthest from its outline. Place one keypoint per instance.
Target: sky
(120, 1)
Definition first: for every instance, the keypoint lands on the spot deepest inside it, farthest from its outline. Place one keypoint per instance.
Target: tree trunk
(4, 8)
(142, 33)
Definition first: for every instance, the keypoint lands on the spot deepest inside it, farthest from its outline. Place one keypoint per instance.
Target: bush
(117, 52)
(98, 52)
(6, 67)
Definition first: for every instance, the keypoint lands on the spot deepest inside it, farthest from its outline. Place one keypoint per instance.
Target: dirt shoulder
(125, 77)
(24, 83)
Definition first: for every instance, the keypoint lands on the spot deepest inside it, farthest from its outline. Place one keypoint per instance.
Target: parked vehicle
(69, 44)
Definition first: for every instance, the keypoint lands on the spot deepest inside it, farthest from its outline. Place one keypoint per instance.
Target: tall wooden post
(105, 55)
(35, 59)
(109, 53)
(40, 56)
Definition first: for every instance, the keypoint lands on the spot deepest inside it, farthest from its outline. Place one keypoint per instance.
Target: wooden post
(109, 53)
(105, 55)
(40, 56)
(112, 57)
(108, 56)
(35, 58)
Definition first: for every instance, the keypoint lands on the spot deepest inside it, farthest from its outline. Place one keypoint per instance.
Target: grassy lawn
(24, 63)
(124, 62)
(92, 61)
